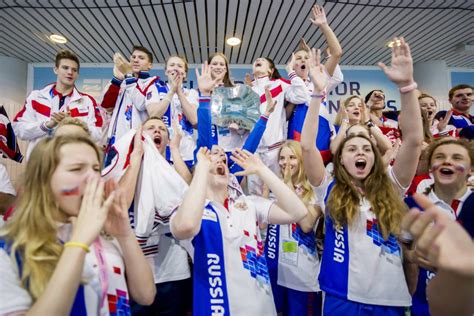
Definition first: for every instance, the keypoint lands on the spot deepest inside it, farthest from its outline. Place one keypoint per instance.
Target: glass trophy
(235, 105)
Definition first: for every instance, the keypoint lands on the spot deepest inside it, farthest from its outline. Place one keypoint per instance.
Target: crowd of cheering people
(142, 205)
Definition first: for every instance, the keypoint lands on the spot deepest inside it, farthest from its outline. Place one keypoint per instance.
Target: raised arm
(312, 160)
(290, 208)
(128, 182)
(189, 108)
(313, 211)
(204, 126)
(159, 106)
(319, 20)
(186, 222)
(137, 269)
(410, 122)
(178, 162)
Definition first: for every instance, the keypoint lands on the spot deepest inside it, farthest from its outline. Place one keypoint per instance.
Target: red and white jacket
(29, 123)
(293, 90)
(127, 101)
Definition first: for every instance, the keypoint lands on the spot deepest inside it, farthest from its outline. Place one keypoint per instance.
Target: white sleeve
(5, 183)
(14, 298)
(322, 190)
(262, 207)
(395, 182)
(27, 125)
(335, 80)
(193, 97)
(153, 95)
(297, 92)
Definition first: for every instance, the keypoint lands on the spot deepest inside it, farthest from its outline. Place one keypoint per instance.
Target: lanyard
(104, 277)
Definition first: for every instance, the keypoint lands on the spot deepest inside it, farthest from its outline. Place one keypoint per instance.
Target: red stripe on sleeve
(274, 92)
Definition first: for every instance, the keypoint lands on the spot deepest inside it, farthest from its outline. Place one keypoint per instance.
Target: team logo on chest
(254, 261)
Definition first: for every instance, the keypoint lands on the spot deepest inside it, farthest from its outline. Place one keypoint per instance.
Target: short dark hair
(458, 87)
(66, 54)
(144, 50)
(367, 97)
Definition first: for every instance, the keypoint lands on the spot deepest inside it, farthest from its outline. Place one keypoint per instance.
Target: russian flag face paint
(70, 191)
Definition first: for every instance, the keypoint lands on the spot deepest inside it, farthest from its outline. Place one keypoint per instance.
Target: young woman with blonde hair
(361, 270)
(352, 113)
(65, 250)
(290, 249)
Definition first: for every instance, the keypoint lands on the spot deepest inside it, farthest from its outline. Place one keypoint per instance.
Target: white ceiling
(97, 28)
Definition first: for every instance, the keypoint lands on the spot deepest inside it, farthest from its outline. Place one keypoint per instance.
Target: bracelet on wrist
(81, 245)
(319, 96)
(409, 88)
(345, 120)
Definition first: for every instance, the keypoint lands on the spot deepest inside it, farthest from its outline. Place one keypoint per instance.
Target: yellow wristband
(77, 244)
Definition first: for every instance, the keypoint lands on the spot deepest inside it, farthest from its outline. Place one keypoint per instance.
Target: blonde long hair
(307, 190)
(344, 199)
(363, 115)
(32, 230)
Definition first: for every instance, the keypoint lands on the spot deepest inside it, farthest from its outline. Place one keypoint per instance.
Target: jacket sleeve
(109, 98)
(296, 92)
(252, 142)
(94, 119)
(27, 124)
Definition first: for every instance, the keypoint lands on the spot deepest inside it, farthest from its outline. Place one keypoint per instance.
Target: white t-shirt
(230, 271)
(358, 264)
(298, 261)
(15, 298)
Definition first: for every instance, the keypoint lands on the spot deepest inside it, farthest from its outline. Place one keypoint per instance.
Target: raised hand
(291, 64)
(316, 71)
(118, 222)
(343, 113)
(248, 80)
(444, 243)
(137, 152)
(121, 65)
(204, 157)
(176, 79)
(287, 176)
(319, 16)
(401, 70)
(443, 122)
(251, 163)
(270, 102)
(56, 117)
(205, 82)
(93, 212)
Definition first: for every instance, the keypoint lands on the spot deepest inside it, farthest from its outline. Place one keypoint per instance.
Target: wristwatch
(370, 124)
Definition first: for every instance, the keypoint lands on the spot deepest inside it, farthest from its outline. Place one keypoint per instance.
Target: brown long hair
(33, 228)
(227, 82)
(344, 199)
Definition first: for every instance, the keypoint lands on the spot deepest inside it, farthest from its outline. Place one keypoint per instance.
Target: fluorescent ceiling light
(233, 41)
(58, 38)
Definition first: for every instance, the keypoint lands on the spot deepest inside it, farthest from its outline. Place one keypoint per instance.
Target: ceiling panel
(98, 28)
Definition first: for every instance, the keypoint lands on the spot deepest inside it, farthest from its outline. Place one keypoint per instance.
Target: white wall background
(13, 90)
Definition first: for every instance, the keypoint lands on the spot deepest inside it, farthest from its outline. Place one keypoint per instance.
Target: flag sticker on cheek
(71, 191)
(459, 168)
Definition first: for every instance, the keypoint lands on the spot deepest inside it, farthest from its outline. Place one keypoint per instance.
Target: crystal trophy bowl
(239, 105)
